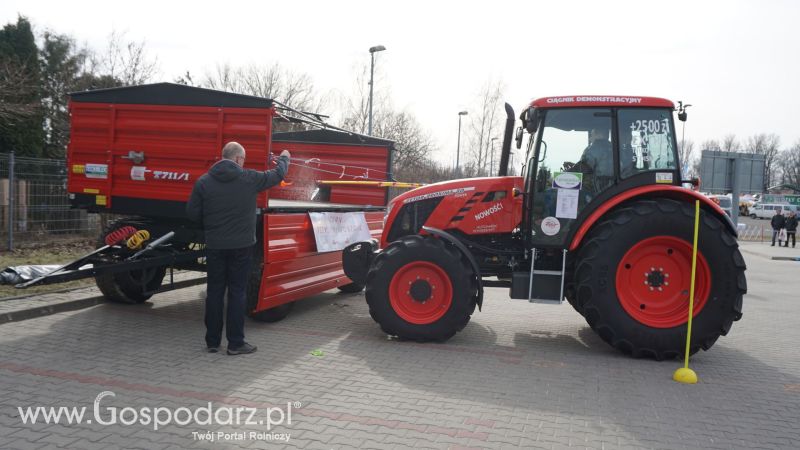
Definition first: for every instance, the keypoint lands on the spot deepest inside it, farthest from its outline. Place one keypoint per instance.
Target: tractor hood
(473, 205)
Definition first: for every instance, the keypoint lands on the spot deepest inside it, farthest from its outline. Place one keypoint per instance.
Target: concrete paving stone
(346, 442)
(22, 444)
(88, 445)
(566, 387)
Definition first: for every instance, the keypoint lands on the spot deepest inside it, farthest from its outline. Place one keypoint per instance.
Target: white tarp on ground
(21, 274)
(335, 231)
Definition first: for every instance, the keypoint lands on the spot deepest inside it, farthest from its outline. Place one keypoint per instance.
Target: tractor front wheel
(421, 288)
(633, 274)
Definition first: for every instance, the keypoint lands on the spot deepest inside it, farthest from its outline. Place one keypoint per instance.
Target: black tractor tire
(351, 288)
(131, 287)
(275, 314)
(569, 283)
(601, 256)
(433, 253)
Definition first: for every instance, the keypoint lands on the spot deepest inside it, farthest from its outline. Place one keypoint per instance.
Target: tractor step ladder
(550, 273)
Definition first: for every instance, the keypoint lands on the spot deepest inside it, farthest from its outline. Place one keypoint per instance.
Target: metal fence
(34, 206)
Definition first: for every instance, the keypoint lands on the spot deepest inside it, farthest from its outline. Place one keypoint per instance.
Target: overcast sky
(736, 62)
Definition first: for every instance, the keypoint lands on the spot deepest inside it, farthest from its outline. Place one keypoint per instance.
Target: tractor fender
(465, 251)
(650, 191)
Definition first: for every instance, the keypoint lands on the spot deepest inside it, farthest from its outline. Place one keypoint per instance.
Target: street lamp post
(491, 159)
(458, 145)
(372, 51)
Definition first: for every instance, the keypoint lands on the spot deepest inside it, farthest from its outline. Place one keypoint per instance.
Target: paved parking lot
(518, 375)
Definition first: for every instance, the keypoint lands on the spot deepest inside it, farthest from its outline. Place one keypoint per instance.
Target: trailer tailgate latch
(136, 157)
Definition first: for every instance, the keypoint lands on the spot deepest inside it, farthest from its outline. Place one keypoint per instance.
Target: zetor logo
(164, 175)
(488, 212)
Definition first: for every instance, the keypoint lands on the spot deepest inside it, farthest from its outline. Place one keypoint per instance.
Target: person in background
(778, 222)
(791, 228)
(224, 202)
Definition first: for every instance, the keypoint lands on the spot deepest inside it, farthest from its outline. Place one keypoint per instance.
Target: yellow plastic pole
(685, 374)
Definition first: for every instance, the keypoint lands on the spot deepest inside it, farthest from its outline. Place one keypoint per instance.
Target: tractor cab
(581, 151)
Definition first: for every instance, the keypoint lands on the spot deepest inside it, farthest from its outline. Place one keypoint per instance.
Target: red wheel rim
(653, 280)
(420, 292)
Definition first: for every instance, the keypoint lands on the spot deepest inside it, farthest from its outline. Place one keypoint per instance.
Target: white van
(723, 201)
(767, 210)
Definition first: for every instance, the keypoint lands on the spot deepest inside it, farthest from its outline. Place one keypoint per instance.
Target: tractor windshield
(645, 141)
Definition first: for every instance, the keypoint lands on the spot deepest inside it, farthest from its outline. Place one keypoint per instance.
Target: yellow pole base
(685, 375)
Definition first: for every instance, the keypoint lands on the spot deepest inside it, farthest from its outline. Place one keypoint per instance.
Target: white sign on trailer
(335, 231)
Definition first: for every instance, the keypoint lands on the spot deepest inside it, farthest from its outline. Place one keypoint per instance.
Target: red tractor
(599, 217)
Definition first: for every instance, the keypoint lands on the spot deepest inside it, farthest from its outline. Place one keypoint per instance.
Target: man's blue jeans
(227, 269)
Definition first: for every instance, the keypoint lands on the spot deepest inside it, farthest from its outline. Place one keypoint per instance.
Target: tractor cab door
(571, 163)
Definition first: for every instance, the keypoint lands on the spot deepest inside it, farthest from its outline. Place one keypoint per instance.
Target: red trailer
(137, 152)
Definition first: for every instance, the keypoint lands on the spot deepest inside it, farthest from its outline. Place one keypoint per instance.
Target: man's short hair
(232, 149)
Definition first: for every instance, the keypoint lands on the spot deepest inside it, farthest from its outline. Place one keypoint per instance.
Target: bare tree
(484, 125)
(710, 144)
(767, 145)
(730, 143)
(16, 83)
(413, 144)
(269, 81)
(790, 165)
(223, 78)
(356, 104)
(126, 61)
(685, 155)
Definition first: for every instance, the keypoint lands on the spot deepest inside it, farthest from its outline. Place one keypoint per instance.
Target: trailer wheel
(421, 288)
(633, 274)
(132, 287)
(351, 288)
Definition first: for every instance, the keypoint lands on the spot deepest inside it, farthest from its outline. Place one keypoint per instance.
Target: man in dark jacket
(778, 222)
(791, 228)
(224, 202)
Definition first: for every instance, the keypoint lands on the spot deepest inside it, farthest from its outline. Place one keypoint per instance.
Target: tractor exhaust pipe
(505, 152)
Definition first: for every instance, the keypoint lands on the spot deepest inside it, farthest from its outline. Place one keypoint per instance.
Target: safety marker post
(685, 374)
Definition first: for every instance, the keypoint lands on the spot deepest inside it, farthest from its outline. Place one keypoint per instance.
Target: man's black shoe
(212, 349)
(243, 350)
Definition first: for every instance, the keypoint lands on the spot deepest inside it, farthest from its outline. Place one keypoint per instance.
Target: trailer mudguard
(465, 251)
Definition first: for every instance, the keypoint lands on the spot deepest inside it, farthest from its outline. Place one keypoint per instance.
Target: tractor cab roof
(573, 101)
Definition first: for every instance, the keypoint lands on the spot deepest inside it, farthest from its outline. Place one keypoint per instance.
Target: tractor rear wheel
(133, 286)
(421, 288)
(633, 274)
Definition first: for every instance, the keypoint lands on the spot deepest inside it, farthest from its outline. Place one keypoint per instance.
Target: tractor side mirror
(682, 111)
(518, 138)
(531, 120)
